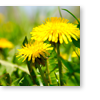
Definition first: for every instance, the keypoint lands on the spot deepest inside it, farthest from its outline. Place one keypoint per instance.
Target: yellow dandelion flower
(74, 53)
(34, 50)
(54, 29)
(4, 43)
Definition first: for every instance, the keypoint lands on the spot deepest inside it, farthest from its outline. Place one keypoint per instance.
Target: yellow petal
(60, 39)
(69, 37)
(65, 38)
(73, 36)
(29, 58)
(45, 38)
(53, 38)
(50, 37)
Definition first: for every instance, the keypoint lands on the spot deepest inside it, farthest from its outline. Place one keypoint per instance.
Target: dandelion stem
(49, 80)
(31, 71)
(59, 63)
(42, 75)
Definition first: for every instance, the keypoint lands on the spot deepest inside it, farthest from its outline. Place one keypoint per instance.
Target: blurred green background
(16, 22)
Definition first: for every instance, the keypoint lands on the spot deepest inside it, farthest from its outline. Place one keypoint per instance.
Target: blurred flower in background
(76, 53)
(2, 18)
(64, 56)
(4, 43)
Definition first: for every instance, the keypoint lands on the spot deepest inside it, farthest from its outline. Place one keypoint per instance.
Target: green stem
(72, 15)
(49, 80)
(42, 75)
(59, 11)
(31, 71)
(59, 64)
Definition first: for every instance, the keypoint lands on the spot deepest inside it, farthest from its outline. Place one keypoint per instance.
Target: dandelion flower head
(55, 29)
(4, 43)
(34, 50)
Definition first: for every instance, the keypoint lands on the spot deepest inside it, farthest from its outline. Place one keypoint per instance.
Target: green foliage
(26, 81)
(67, 64)
(76, 43)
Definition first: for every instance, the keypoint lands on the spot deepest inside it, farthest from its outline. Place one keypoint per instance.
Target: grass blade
(72, 15)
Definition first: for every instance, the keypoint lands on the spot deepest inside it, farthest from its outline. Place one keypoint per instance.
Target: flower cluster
(54, 29)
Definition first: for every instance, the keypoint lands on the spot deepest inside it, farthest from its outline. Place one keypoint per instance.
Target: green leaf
(32, 72)
(56, 78)
(25, 41)
(12, 66)
(5, 79)
(67, 65)
(76, 68)
(38, 77)
(15, 82)
(26, 81)
(42, 75)
(72, 15)
(53, 79)
(77, 78)
(76, 43)
(56, 67)
(78, 26)
(72, 81)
